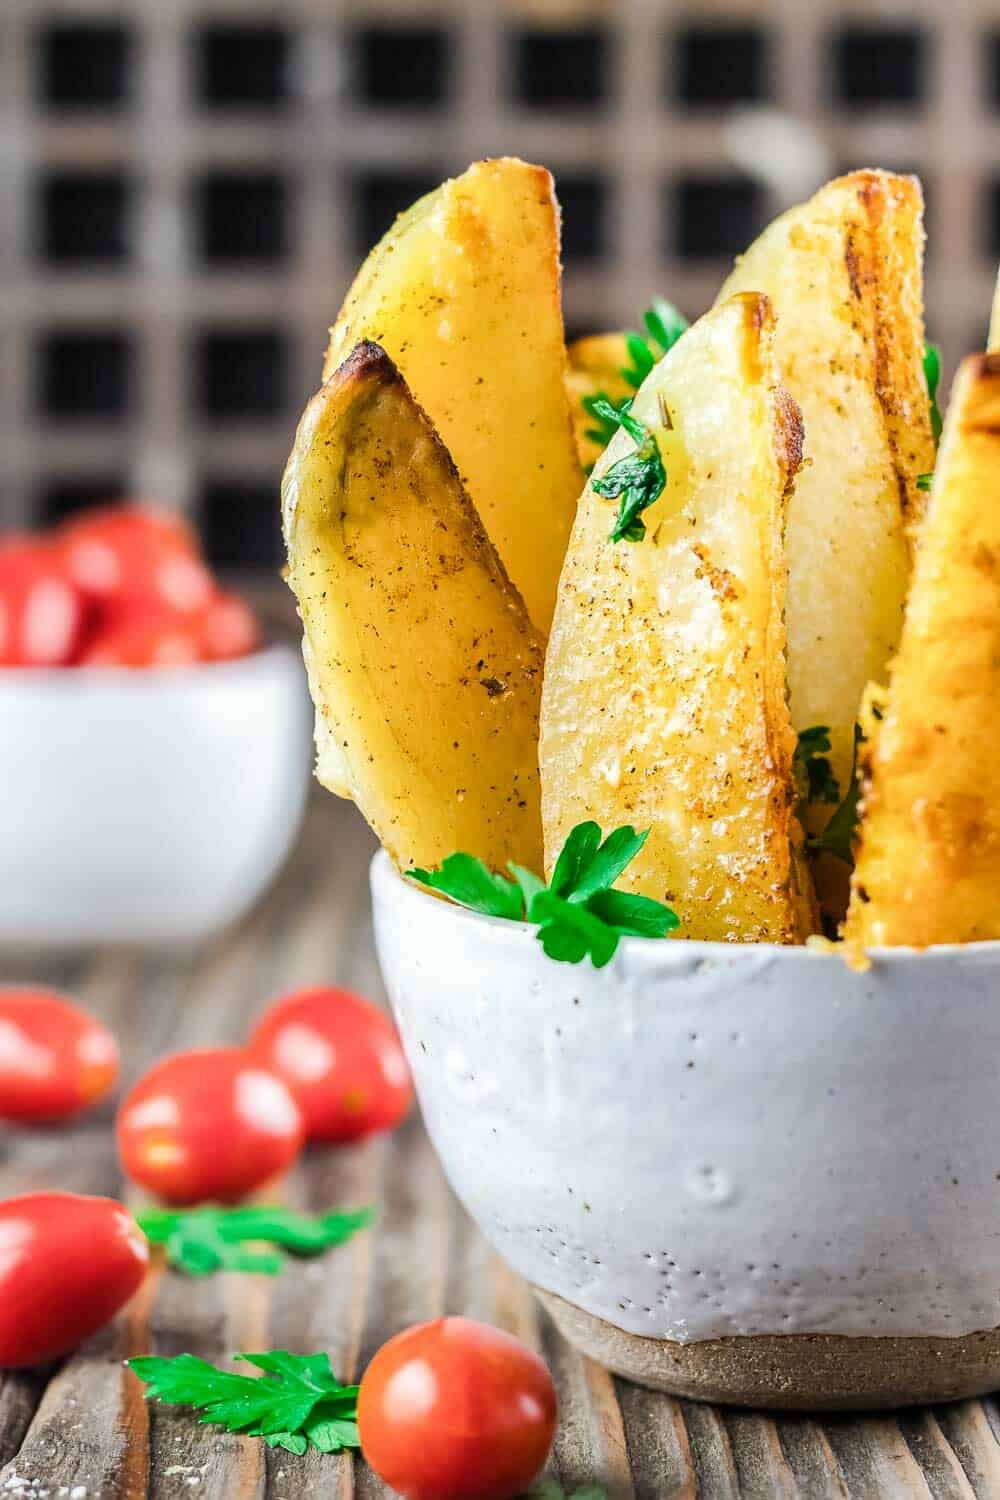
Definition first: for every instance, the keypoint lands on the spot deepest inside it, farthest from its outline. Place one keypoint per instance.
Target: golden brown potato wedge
(928, 866)
(664, 699)
(424, 667)
(843, 272)
(594, 367)
(464, 294)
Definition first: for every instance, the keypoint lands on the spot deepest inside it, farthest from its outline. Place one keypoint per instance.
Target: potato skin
(843, 272)
(664, 699)
(928, 866)
(463, 293)
(423, 665)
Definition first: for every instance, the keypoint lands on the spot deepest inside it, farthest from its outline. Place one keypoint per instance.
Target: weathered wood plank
(875, 1459)
(946, 1479)
(764, 1471)
(658, 1445)
(712, 1451)
(965, 1426)
(810, 1458)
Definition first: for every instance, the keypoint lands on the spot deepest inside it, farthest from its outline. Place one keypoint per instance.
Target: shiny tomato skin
(131, 554)
(42, 613)
(208, 1126)
(456, 1410)
(228, 628)
(55, 1060)
(67, 1264)
(341, 1057)
(138, 636)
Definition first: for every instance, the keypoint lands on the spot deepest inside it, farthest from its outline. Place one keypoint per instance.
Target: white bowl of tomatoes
(154, 751)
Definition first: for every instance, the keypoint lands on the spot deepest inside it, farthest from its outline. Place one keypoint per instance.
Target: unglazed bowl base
(791, 1372)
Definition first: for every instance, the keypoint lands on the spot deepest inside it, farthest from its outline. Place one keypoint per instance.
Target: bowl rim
(385, 873)
(139, 680)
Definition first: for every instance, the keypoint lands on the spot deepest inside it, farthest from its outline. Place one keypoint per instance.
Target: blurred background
(187, 189)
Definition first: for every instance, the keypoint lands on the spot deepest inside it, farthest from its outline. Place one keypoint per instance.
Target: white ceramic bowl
(147, 806)
(747, 1173)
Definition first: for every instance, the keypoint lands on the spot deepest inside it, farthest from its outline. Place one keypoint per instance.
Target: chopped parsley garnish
(578, 914)
(811, 768)
(201, 1241)
(924, 481)
(298, 1404)
(664, 326)
(636, 481)
(932, 374)
(839, 834)
(606, 415)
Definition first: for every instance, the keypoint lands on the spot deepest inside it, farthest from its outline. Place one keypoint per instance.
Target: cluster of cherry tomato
(118, 586)
(448, 1410)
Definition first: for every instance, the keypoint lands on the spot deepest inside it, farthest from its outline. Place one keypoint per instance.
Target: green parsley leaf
(297, 1402)
(812, 771)
(664, 326)
(578, 915)
(839, 834)
(468, 881)
(932, 374)
(924, 481)
(632, 915)
(607, 415)
(201, 1241)
(637, 481)
(664, 323)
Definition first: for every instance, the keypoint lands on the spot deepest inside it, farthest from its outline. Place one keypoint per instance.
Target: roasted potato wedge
(843, 273)
(464, 294)
(594, 367)
(664, 699)
(423, 664)
(928, 865)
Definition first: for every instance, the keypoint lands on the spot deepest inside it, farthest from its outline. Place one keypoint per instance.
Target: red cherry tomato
(456, 1410)
(228, 628)
(55, 1060)
(67, 1264)
(127, 554)
(208, 1126)
(341, 1057)
(137, 636)
(41, 610)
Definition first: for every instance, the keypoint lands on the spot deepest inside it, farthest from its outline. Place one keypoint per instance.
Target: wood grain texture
(83, 1430)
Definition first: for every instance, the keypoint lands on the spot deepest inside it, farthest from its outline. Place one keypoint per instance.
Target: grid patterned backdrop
(188, 187)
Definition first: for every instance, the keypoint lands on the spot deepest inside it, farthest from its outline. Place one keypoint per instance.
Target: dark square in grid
(991, 236)
(583, 197)
(878, 66)
(241, 65)
(240, 218)
(402, 67)
(240, 518)
(715, 217)
(718, 65)
(378, 195)
(84, 65)
(84, 374)
(83, 218)
(560, 69)
(991, 68)
(60, 497)
(240, 373)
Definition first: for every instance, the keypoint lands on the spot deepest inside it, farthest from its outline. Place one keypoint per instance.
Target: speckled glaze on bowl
(747, 1174)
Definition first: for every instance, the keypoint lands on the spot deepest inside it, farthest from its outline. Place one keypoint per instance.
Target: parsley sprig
(664, 326)
(201, 1241)
(298, 1404)
(637, 481)
(932, 374)
(578, 914)
(815, 782)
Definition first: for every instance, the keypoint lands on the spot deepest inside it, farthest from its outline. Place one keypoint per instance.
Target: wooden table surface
(83, 1431)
